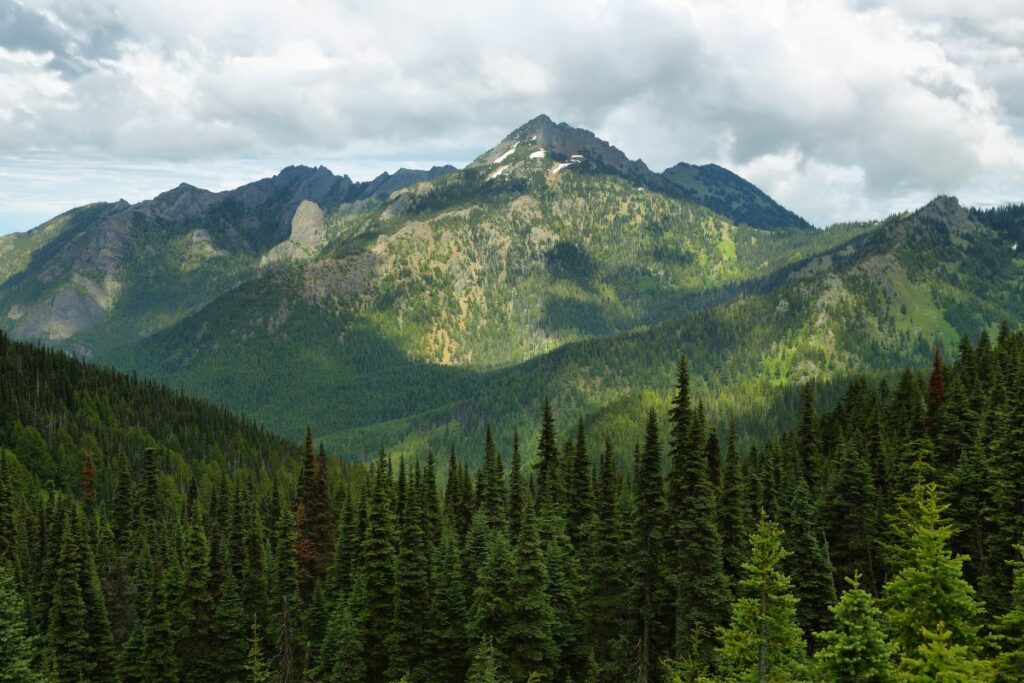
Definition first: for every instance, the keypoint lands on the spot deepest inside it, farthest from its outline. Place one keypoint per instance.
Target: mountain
(737, 199)
(108, 272)
(415, 309)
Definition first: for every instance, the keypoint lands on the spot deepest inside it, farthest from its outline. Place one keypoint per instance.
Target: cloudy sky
(840, 109)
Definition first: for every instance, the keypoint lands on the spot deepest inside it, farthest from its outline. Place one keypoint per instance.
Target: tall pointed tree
(701, 586)
(763, 642)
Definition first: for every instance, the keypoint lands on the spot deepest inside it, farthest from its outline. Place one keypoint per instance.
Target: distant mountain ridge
(413, 309)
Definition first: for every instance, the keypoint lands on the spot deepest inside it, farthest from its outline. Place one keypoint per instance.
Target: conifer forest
(146, 536)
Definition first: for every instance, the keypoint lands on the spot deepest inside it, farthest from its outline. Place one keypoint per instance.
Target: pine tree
(929, 589)
(701, 586)
(68, 637)
(856, 649)
(16, 646)
(763, 642)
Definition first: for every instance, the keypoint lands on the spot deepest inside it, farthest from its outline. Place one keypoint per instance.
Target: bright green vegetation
(148, 536)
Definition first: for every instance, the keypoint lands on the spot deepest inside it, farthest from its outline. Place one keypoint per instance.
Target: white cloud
(841, 108)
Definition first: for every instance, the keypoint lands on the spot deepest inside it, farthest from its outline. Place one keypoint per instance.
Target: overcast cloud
(840, 109)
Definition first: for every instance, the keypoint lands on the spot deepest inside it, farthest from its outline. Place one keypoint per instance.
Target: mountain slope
(723, 191)
(104, 273)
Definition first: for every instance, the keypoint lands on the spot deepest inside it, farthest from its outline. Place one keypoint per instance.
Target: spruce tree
(412, 595)
(447, 633)
(763, 642)
(808, 444)
(808, 563)
(734, 519)
(929, 589)
(230, 651)
(701, 586)
(16, 646)
(549, 483)
(939, 660)
(856, 649)
(580, 489)
(490, 614)
(528, 640)
(195, 646)
(68, 637)
(652, 635)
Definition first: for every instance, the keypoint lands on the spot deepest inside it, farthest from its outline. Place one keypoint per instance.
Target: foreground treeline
(146, 537)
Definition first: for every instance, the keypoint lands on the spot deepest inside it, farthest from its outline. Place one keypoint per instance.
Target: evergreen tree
(701, 586)
(490, 614)
(195, 646)
(808, 444)
(763, 642)
(734, 520)
(580, 489)
(528, 639)
(929, 589)
(808, 564)
(856, 649)
(230, 654)
(1009, 629)
(256, 665)
(16, 646)
(938, 660)
(649, 506)
(68, 638)
(447, 633)
(549, 484)
(412, 595)
(516, 498)
(485, 664)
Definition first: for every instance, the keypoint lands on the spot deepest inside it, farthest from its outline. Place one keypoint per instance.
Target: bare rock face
(307, 237)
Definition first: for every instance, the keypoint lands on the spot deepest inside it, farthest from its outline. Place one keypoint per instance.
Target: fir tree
(549, 484)
(733, 513)
(528, 639)
(649, 506)
(701, 586)
(16, 646)
(256, 665)
(929, 589)
(856, 649)
(763, 642)
(938, 660)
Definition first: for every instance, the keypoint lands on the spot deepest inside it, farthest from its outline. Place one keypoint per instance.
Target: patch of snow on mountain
(1014, 247)
(507, 154)
(498, 172)
(539, 154)
(559, 167)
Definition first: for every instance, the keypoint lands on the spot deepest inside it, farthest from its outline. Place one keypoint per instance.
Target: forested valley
(148, 536)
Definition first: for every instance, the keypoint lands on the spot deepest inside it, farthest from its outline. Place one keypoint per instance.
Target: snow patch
(498, 172)
(559, 167)
(1014, 247)
(507, 154)
(577, 157)
(539, 154)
